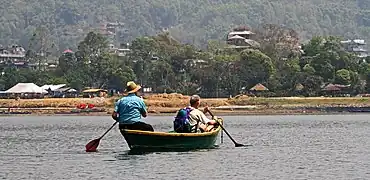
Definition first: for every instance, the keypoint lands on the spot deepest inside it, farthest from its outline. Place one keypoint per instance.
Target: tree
(254, 67)
(343, 76)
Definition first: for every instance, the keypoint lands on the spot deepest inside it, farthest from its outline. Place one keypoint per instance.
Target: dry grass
(297, 101)
(178, 101)
(165, 96)
(52, 102)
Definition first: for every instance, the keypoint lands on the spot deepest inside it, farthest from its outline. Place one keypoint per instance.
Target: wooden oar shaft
(108, 130)
(227, 133)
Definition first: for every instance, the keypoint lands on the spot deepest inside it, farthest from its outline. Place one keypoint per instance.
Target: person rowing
(129, 110)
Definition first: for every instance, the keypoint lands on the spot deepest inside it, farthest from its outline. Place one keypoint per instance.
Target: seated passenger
(191, 119)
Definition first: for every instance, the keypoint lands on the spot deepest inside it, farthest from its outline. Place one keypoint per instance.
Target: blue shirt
(129, 109)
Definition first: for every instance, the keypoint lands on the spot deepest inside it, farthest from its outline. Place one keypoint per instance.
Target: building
(356, 46)
(13, 55)
(122, 51)
(241, 38)
(114, 31)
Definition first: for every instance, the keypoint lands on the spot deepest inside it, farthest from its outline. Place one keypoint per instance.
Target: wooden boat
(147, 141)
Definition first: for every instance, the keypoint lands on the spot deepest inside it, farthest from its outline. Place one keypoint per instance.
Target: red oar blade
(92, 145)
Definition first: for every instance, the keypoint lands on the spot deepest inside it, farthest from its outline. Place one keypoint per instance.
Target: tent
(26, 88)
(52, 87)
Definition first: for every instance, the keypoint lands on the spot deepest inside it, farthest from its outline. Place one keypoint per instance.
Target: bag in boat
(181, 123)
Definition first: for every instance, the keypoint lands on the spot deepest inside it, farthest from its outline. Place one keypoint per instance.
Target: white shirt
(197, 115)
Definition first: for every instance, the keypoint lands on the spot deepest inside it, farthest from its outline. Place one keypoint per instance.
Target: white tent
(26, 88)
(72, 90)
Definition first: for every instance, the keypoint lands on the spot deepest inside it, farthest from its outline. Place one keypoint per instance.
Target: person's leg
(142, 126)
(202, 127)
(126, 126)
(209, 128)
(205, 128)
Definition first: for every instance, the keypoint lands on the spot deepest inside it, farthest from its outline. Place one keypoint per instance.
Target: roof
(66, 89)
(93, 90)
(26, 88)
(299, 87)
(356, 41)
(52, 87)
(241, 32)
(259, 87)
(236, 37)
(72, 90)
(359, 41)
(334, 87)
(67, 51)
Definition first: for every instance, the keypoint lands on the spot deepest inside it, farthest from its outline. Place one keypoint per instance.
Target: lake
(283, 147)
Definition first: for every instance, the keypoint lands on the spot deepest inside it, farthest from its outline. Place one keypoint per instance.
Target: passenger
(191, 119)
(128, 110)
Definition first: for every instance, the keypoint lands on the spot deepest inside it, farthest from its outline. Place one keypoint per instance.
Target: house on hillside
(13, 56)
(113, 31)
(121, 51)
(241, 38)
(356, 46)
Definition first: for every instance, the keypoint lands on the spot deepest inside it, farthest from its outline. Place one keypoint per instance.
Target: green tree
(343, 76)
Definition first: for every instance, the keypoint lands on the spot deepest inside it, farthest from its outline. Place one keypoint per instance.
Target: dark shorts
(137, 126)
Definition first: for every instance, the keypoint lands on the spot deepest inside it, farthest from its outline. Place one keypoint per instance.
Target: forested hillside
(66, 22)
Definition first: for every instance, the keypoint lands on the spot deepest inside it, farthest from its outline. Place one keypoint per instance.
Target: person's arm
(203, 118)
(143, 109)
(115, 112)
(210, 121)
(206, 110)
(115, 115)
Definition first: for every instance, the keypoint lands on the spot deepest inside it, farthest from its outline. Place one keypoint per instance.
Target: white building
(357, 46)
(241, 39)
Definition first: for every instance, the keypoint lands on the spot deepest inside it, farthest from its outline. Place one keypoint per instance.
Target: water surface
(284, 147)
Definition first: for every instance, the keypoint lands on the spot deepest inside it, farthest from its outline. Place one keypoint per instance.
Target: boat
(148, 141)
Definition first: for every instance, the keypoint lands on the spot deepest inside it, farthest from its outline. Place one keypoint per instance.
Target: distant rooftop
(356, 41)
(240, 32)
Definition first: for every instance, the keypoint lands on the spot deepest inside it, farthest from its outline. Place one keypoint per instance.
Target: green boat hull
(145, 141)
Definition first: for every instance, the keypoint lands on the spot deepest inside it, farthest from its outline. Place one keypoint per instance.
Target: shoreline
(171, 112)
(168, 104)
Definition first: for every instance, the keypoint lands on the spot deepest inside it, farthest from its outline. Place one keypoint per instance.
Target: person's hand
(206, 109)
(212, 122)
(115, 116)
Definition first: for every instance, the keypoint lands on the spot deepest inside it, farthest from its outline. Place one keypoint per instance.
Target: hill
(64, 23)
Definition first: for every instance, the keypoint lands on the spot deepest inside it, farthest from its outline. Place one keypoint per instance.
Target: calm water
(284, 147)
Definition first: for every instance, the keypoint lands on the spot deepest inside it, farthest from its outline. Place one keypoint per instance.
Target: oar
(93, 145)
(236, 144)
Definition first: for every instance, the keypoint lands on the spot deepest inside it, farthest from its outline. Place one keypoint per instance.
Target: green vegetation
(166, 65)
(65, 23)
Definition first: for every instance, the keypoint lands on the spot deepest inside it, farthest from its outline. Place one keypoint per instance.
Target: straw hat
(132, 87)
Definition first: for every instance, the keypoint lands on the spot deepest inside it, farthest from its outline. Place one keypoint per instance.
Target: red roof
(67, 51)
(259, 87)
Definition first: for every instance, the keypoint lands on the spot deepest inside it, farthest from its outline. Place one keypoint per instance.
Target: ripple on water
(283, 147)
